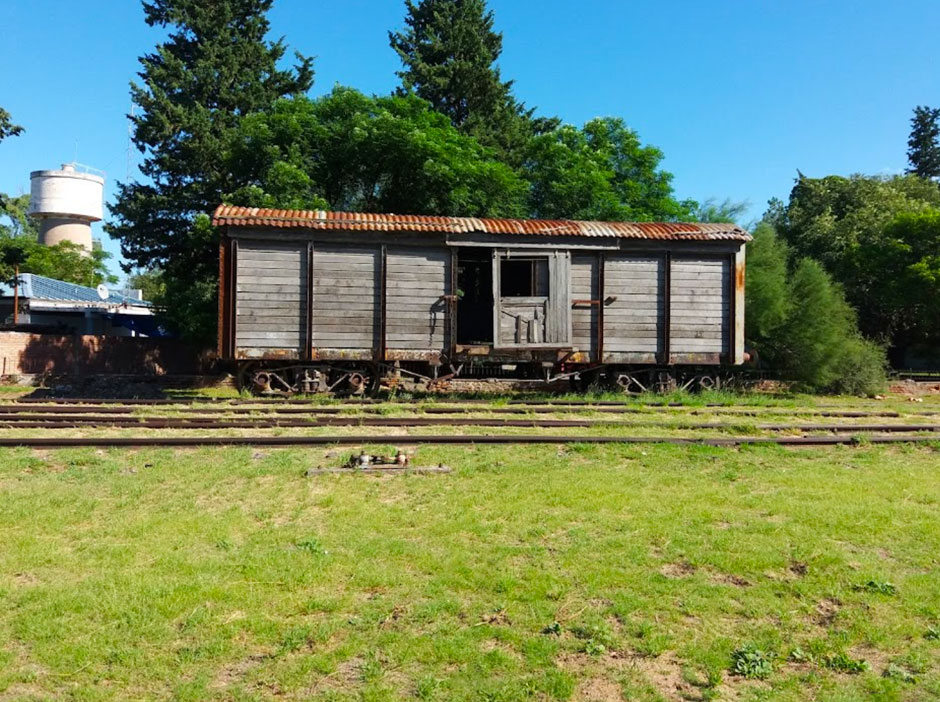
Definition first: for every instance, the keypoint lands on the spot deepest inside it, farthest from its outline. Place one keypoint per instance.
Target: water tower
(66, 202)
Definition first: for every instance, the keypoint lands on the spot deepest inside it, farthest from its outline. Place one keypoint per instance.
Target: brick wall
(23, 353)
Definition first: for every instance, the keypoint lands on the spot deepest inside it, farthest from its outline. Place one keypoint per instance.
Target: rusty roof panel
(232, 216)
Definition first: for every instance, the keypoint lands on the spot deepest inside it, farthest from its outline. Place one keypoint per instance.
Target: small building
(50, 305)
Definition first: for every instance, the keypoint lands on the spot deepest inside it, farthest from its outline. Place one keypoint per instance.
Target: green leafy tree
(7, 128)
(908, 289)
(841, 222)
(923, 145)
(725, 211)
(215, 68)
(14, 217)
(65, 261)
(150, 283)
(449, 51)
(601, 171)
(800, 323)
(347, 151)
(819, 343)
(767, 293)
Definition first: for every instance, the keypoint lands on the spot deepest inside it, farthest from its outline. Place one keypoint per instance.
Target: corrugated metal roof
(39, 287)
(232, 216)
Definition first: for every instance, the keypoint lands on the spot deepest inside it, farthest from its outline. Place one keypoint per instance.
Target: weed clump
(876, 587)
(842, 662)
(752, 662)
(896, 672)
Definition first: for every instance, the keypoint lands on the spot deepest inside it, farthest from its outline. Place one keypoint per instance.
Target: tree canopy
(347, 151)
(7, 128)
(449, 51)
(600, 171)
(843, 223)
(215, 68)
(923, 145)
(797, 320)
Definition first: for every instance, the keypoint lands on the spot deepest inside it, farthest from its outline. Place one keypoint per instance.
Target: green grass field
(645, 572)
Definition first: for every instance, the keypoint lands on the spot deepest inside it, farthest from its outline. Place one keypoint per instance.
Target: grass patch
(548, 572)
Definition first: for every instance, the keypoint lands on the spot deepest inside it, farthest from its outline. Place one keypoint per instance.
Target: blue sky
(737, 93)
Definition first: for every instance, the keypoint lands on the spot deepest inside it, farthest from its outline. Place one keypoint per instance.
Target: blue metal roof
(38, 287)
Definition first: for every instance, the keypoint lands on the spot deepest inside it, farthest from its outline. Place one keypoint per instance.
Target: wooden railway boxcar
(313, 300)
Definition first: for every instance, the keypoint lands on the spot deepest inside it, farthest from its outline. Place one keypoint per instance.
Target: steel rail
(14, 409)
(34, 422)
(404, 439)
(367, 402)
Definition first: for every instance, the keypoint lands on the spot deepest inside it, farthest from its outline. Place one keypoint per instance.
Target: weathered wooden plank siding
(271, 297)
(346, 296)
(522, 320)
(584, 317)
(558, 309)
(700, 305)
(416, 310)
(633, 322)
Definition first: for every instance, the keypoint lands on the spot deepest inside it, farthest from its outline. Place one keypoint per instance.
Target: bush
(766, 293)
(800, 323)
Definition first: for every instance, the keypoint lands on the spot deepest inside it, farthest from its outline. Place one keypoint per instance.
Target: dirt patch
(236, 672)
(347, 676)
(826, 612)
(798, 568)
(663, 673)
(25, 579)
(497, 618)
(683, 569)
(729, 579)
(598, 690)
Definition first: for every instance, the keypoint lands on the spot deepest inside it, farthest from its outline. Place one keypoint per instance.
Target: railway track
(33, 421)
(428, 439)
(213, 415)
(317, 410)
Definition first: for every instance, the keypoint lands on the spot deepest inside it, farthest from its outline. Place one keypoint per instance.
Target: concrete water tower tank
(66, 202)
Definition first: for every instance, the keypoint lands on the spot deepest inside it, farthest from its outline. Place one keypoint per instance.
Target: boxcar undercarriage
(368, 379)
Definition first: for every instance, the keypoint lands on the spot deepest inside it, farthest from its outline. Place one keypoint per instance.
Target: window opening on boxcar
(474, 297)
(523, 277)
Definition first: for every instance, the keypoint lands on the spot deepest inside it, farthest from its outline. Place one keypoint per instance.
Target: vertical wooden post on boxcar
(601, 302)
(738, 277)
(383, 304)
(496, 301)
(308, 354)
(452, 303)
(222, 325)
(665, 357)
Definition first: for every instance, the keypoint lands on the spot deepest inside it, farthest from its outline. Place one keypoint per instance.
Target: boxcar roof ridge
(234, 216)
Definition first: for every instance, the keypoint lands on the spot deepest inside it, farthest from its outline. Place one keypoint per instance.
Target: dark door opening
(475, 297)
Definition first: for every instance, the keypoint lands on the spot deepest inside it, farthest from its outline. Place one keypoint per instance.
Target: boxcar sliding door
(532, 299)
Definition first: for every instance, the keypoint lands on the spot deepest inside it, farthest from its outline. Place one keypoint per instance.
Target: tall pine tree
(923, 146)
(216, 67)
(449, 52)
